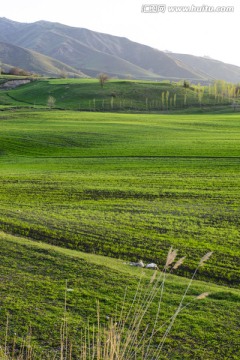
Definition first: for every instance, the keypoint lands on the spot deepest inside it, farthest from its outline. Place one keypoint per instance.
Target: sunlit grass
(36, 300)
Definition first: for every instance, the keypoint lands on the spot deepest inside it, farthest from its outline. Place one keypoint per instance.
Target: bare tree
(18, 71)
(63, 74)
(102, 79)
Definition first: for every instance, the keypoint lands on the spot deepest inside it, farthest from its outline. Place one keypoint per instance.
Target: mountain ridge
(15, 56)
(90, 52)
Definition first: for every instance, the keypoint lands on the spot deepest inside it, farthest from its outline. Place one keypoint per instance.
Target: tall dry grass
(126, 337)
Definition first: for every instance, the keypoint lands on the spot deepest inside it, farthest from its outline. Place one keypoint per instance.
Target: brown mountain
(92, 52)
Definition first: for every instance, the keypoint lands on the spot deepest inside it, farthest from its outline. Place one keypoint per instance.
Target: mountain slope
(93, 52)
(32, 61)
(8, 29)
(213, 68)
(143, 56)
(50, 39)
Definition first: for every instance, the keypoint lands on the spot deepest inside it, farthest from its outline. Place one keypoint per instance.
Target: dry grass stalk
(126, 338)
(205, 258)
(202, 296)
(153, 276)
(179, 263)
(171, 257)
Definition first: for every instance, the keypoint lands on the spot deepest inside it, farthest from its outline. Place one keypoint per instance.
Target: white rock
(151, 266)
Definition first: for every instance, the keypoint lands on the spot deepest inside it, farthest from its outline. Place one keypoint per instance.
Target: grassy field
(33, 278)
(116, 95)
(126, 186)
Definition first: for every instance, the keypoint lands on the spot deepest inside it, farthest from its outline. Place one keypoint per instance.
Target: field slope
(33, 282)
(126, 186)
(116, 96)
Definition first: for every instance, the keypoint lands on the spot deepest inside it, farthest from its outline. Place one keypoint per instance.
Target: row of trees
(166, 101)
(221, 90)
(181, 95)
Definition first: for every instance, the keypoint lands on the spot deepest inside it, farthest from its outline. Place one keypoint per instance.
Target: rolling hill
(213, 68)
(92, 52)
(32, 61)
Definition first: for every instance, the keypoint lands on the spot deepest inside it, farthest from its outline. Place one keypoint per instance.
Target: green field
(33, 277)
(119, 95)
(126, 186)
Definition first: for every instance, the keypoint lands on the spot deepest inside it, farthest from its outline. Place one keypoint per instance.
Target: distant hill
(11, 55)
(96, 52)
(212, 68)
(92, 52)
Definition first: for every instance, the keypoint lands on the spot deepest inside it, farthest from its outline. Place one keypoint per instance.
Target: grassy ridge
(116, 95)
(32, 294)
(127, 186)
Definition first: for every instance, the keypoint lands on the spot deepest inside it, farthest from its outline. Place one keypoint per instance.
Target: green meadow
(33, 284)
(127, 186)
(81, 193)
(121, 95)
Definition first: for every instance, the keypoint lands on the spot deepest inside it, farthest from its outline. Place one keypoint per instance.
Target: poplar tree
(167, 96)
(51, 102)
(163, 101)
(175, 100)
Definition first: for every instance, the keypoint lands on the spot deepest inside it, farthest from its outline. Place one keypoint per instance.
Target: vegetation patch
(124, 180)
(35, 300)
(126, 186)
(127, 95)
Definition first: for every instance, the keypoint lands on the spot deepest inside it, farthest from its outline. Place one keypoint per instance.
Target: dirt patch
(11, 84)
